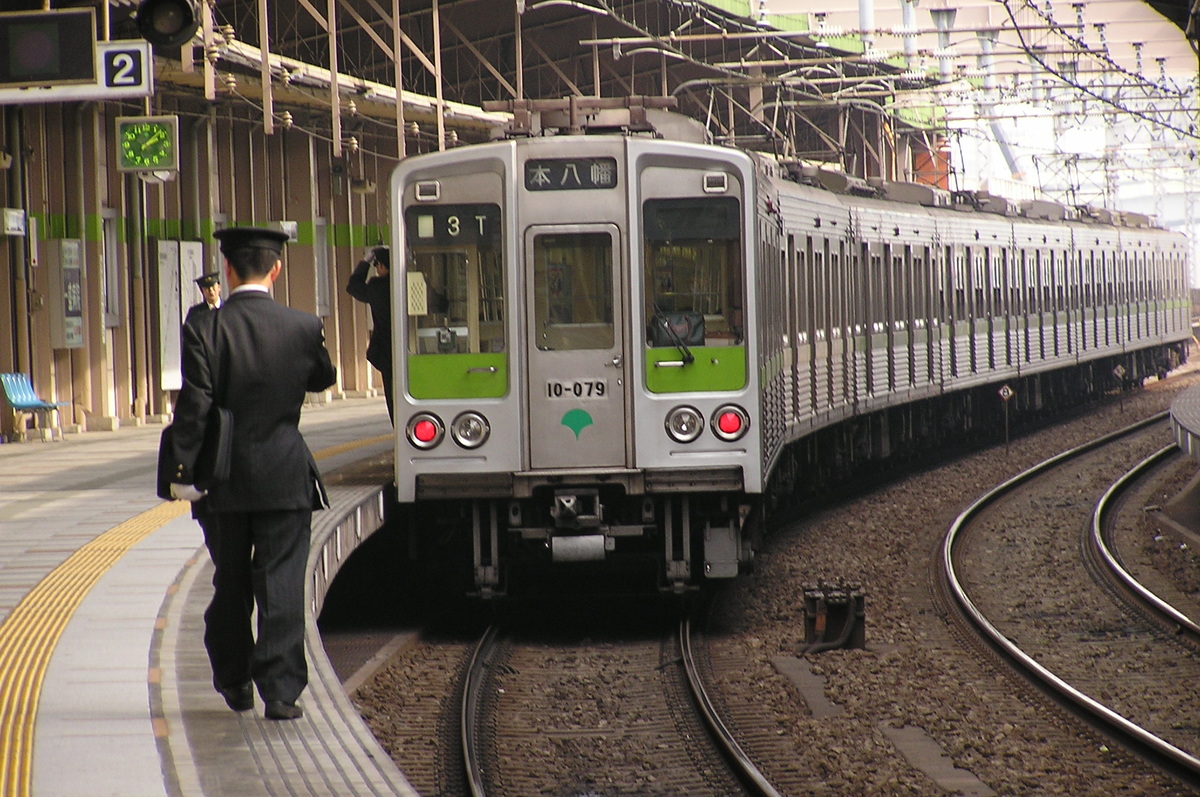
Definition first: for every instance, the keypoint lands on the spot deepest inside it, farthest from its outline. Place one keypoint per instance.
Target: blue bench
(18, 390)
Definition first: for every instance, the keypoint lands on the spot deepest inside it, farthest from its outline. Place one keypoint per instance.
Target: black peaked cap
(235, 238)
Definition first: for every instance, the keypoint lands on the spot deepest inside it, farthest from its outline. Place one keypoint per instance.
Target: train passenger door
(575, 317)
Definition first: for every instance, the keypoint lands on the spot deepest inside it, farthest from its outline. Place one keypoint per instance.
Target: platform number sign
(1006, 393)
(124, 68)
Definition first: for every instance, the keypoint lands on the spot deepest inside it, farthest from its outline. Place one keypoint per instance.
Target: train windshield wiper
(684, 351)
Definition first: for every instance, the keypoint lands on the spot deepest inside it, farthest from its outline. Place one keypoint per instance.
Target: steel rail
(750, 775)
(471, 700)
(1155, 606)
(1163, 753)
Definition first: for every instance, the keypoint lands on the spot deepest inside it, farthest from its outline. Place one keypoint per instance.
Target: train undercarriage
(588, 532)
(625, 530)
(962, 420)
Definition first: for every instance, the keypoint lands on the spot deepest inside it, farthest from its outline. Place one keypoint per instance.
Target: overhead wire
(1135, 80)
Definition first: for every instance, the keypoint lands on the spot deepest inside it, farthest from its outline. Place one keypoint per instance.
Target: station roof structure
(835, 82)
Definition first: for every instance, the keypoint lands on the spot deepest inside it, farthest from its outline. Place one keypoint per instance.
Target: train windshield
(455, 288)
(693, 274)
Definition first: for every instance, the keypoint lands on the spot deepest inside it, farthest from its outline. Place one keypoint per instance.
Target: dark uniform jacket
(195, 309)
(266, 358)
(377, 292)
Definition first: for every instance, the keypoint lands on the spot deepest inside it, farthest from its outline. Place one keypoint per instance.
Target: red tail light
(425, 430)
(730, 422)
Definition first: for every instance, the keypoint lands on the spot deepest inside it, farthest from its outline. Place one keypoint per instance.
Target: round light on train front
(730, 422)
(684, 424)
(470, 430)
(425, 430)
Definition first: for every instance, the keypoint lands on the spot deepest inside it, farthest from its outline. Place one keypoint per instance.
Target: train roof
(929, 196)
(633, 115)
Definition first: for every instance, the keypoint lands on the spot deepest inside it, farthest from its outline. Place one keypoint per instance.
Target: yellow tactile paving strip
(30, 633)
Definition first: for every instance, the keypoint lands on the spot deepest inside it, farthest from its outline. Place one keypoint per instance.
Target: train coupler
(834, 617)
(577, 509)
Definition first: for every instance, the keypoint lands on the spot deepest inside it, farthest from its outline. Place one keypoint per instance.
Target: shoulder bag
(216, 453)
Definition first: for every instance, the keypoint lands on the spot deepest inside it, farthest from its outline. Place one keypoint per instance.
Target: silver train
(623, 347)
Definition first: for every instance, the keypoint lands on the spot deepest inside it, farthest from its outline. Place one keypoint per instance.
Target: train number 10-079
(576, 388)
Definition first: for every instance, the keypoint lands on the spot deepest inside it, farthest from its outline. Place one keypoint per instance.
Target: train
(617, 346)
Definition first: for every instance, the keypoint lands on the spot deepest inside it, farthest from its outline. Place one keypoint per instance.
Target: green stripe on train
(715, 368)
(452, 376)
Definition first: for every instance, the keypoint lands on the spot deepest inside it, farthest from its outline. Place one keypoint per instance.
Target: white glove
(187, 492)
(369, 255)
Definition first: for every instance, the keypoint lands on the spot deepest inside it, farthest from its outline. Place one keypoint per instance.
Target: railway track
(598, 715)
(1041, 607)
(851, 722)
(1141, 591)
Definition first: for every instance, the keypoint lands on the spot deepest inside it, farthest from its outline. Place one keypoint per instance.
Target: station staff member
(376, 291)
(210, 291)
(264, 357)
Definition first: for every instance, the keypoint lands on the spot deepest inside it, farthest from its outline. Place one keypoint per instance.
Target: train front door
(576, 381)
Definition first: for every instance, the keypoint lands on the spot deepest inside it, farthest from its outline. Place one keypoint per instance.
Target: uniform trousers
(387, 393)
(259, 558)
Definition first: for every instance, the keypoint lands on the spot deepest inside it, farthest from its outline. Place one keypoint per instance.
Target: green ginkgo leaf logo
(576, 420)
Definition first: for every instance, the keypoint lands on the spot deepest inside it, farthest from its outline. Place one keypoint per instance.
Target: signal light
(730, 422)
(425, 430)
(167, 23)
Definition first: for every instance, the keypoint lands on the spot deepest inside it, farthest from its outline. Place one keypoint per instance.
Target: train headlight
(730, 422)
(684, 424)
(470, 429)
(425, 430)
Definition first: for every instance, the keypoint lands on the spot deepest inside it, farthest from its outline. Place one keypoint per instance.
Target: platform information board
(123, 69)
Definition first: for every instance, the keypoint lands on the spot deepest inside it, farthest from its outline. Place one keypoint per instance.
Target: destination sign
(570, 174)
(468, 224)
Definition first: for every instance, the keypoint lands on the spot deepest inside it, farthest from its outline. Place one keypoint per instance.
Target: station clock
(147, 143)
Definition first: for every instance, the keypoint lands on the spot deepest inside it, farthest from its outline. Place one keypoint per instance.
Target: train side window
(836, 290)
(1031, 282)
(1057, 280)
(804, 291)
(923, 311)
(693, 270)
(1087, 264)
(1014, 282)
(960, 285)
(821, 289)
(940, 274)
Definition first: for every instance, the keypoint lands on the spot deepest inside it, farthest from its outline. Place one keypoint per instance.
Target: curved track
(999, 632)
(1102, 549)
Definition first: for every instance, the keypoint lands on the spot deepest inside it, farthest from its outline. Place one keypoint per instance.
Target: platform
(1185, 421)
(105, 683)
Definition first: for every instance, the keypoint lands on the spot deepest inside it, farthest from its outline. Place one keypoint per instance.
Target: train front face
(575, 379)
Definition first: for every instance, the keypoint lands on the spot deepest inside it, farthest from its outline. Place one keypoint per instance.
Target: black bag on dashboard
(670, 329)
